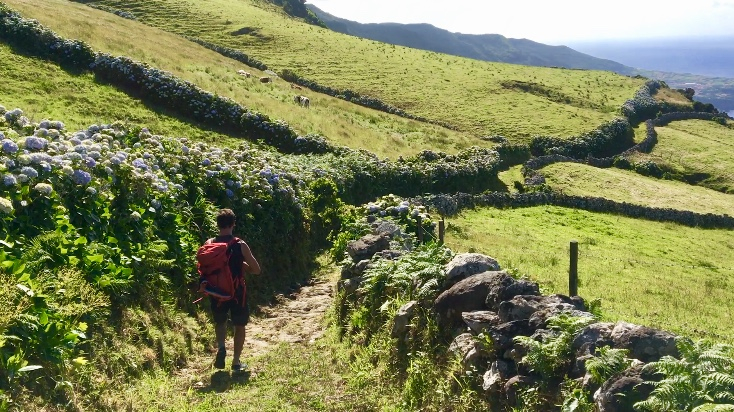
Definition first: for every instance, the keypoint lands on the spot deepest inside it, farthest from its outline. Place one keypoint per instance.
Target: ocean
(731, 113)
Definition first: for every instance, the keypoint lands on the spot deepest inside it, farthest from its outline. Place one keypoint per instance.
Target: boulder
(353, 269)
(465, 265)
(367, 246)
(644, 343)
(462, 345)
(466, 296)
(506, 287)
(524, 306)
(402, 319)
(387, 228)
(479, 320)
(621, 392)
(499, 372)
(503, 335)
(517, 384)
(389, 254)
(350, 286)
(592, 337)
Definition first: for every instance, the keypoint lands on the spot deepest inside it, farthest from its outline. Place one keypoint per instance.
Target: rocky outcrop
(621, 392)
(466, 296)
(367, 246)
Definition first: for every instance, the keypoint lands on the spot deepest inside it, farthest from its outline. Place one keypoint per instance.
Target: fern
(701, 380)
(608, 363)
(548, 358)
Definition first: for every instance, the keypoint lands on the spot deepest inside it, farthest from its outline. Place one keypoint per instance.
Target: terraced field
(480, 98)
(700, 149)
(627, 186)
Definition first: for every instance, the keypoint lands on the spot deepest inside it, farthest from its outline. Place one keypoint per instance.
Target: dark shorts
(240, 315)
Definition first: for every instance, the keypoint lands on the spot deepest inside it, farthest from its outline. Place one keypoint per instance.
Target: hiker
(240, 261)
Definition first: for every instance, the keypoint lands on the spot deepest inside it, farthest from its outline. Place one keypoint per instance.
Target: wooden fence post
(420, 228)
(441, 230)
(573, 272)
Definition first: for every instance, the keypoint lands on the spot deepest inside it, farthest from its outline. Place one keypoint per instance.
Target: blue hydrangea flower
(140, 164)
(29, 171)
(230, 193)
(90, 162)
(10, 180)
(45, 167)
(81, 177)
(36, 143)
(155, 203)
(206, 162)
(9, 146)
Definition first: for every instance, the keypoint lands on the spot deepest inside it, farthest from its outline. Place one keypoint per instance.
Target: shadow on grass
(223, 381)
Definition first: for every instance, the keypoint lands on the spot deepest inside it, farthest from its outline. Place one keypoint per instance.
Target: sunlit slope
(657, 274)
(44, 91)
(341, 122)
(627, 186)
(702, 150)
(481, 98)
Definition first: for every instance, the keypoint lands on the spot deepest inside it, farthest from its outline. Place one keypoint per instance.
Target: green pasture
(343, 123)
(628, 186)
(45, 91)
(703, 150)
(657, 274)
(480, 98)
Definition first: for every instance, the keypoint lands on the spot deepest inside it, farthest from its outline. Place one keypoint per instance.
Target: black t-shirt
(236, 259)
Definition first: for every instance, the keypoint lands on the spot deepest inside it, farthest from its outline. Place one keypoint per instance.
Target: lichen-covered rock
(479, 320)
(498, 373)
(592, 337)
(517, 384)
(524, 306)
(402, 319)
(466, 296)
(621, 392)
(349, 286)
(506, 287)
(367, 246)
(465, 265)
(462, 344)
(644, 343)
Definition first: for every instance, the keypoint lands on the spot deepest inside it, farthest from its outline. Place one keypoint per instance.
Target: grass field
(657, 274)
(672, 96)
(627, 186)
(697, 147)
(481, 98)
(44, 91)
(341, 122)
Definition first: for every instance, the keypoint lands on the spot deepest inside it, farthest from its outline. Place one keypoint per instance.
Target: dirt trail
(297, 319)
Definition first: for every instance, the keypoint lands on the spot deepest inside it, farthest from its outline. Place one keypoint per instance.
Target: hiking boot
(239, 367)
(219, 360)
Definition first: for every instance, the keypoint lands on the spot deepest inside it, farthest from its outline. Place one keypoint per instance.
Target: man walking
(241, 261)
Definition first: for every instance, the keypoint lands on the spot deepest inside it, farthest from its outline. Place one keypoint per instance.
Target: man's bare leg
(239, 343)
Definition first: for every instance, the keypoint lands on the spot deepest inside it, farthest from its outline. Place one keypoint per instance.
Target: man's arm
(249, 264)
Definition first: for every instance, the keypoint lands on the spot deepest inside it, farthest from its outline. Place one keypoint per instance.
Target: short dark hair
(225, 218)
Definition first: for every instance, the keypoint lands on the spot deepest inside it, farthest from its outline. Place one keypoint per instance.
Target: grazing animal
(244, 73)
(302, 100)
(295, 86)
(265, 80)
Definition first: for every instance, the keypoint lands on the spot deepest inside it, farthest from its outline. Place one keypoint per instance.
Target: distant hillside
(488, 47)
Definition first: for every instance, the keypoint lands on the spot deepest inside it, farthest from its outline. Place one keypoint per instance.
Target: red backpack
(213, 266)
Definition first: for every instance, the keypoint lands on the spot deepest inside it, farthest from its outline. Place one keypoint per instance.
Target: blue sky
(550, 22)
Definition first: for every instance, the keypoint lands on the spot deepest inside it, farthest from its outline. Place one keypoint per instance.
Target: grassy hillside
(700, 149)
(656, 274)
(480, 98)
(341, 122)
(44, 91)
(627, 186)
